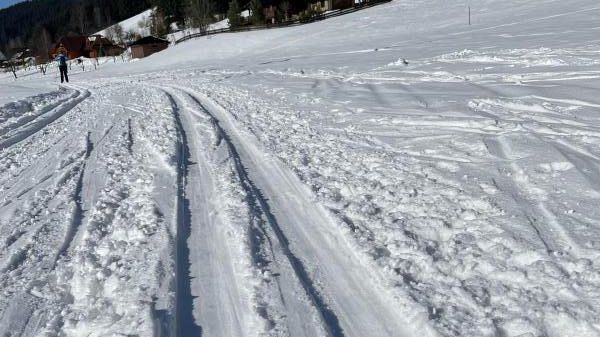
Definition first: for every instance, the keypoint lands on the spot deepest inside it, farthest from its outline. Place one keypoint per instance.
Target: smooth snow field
(393, 172)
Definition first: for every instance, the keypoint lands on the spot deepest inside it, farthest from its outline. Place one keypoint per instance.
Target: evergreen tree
(40, 43)
(64, 17)
(82, 17)
(172, 10)
(233, 14)
(284, 9)
(257, 15)
(158, 24)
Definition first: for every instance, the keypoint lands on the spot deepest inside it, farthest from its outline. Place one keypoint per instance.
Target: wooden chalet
(270, 14)
(86, 46)
(329, 5)
(22, 56)
(147, 46)
(101, 46)
(75, 46)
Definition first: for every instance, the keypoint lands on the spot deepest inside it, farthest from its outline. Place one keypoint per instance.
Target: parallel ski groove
(78, 212)
(185, 325)
(41, 122)
(40, 114)
(255, 196)
(129, 136)
(553, 236)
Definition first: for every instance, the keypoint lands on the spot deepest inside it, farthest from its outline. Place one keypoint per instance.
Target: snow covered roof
(97, 40)
(21, 54)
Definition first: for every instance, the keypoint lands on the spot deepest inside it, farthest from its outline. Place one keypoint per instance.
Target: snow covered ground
(138, 24)
(134, 24)
(392, 172)
(14, 91)
(223, 24)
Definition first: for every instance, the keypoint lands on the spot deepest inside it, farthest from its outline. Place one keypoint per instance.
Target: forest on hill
(24, 22)
(37, 22)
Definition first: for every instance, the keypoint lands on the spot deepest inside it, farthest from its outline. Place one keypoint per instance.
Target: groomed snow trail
(34, 177)
(24, 127)
(238, 301)
(73, 243)
(318, 242)
(330, 292)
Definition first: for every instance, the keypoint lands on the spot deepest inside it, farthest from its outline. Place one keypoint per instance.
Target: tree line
(28, 23)
(200, 13)
(38, 23)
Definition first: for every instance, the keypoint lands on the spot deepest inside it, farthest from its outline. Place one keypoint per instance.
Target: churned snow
(391, 172)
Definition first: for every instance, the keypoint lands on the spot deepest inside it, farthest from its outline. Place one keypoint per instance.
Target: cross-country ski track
(315, 237)
(294, 279)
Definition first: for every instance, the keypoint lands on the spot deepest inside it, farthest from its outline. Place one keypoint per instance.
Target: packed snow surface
(391, 172)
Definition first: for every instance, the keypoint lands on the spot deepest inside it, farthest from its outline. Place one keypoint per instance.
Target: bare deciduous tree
(79, 16)
(200, 14)
(40, 46)
(130, 36)
(107, 16)
(284, 7)
(115, 33)
(98, 17)
(158, 24)
(42, 65)
(15, 43)
(12, 66)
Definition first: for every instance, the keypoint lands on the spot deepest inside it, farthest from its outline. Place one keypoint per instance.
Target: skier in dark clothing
(62, 65)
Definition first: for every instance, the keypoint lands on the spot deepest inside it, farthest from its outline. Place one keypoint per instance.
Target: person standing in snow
(62, 64)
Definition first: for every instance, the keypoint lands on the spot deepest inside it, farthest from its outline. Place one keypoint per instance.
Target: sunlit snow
(391, 172)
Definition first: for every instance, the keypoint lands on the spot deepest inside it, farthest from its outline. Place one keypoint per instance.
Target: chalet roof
(21, 53)
(149, 40)
(97, 40)
(73, 43)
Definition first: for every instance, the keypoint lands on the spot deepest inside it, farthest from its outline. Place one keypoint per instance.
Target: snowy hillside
(393, 172)
(223, 24)
(138, 25)
(135, 24)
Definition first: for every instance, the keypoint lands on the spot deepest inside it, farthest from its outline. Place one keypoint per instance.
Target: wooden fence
(314, 18)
